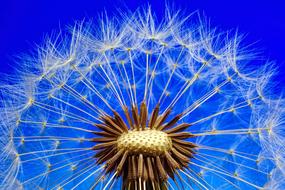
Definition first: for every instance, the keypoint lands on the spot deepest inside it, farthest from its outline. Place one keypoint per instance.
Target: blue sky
(25, 23)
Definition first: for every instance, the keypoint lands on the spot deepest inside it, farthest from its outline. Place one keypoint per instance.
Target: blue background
(23, 24)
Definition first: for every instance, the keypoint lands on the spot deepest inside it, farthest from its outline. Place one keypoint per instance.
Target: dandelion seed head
(137, 102)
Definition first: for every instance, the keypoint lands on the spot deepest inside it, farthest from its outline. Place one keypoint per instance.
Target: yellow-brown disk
(148, 142)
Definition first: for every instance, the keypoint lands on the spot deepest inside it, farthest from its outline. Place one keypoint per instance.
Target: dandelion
(138, 103)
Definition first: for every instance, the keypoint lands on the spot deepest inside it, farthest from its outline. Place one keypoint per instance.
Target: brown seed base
(146, 153)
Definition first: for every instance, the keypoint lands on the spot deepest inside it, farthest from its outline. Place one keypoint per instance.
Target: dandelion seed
(146, 104)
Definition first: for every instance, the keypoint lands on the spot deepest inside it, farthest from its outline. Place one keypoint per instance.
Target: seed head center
(148, 142)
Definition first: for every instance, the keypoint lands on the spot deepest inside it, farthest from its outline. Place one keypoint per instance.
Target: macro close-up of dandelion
(134, 102)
